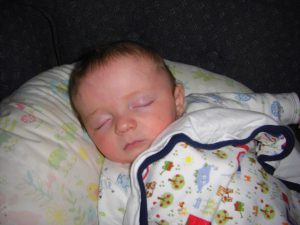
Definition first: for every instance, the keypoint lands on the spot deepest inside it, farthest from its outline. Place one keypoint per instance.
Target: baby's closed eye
(102, 122)
(140, 102)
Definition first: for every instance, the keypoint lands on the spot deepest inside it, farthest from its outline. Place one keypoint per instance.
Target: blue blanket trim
(276, 131)
(262, 159)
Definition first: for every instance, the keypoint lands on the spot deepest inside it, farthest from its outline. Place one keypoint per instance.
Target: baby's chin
(128, 158)
(135, 151)
(131, 159)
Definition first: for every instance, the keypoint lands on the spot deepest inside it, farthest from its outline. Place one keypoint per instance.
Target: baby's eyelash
(141, 103)
(145, 103)
(102, 124)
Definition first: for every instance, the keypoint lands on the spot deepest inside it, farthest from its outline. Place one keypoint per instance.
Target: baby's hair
(105, 54)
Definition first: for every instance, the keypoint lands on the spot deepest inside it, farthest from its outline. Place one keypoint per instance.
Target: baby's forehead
(135, 60)
(131, 66)
(130, 58)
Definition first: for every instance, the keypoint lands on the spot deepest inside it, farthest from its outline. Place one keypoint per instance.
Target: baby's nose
(125, 124)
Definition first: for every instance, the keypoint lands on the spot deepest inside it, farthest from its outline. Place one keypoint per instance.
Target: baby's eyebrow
(140, 97)
(91, 113)
(96, 118)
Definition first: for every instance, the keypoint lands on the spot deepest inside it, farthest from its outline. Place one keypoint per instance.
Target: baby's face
(126, 104)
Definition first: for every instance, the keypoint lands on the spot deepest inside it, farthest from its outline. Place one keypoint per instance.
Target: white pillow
(198, 80)
(49, 168)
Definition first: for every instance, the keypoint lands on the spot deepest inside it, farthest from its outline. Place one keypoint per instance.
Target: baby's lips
(133, 144)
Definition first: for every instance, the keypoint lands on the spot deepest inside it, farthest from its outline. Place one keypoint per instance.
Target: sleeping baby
(220, 158)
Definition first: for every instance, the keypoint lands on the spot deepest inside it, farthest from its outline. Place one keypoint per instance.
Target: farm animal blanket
(213, 166)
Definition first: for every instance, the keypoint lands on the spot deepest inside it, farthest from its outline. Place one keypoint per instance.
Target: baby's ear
(179, 99)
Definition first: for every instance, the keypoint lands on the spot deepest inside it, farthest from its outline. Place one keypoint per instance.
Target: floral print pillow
(49, 168)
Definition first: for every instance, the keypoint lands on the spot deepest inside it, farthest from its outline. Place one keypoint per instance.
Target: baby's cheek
(100, 143)
(161, 125)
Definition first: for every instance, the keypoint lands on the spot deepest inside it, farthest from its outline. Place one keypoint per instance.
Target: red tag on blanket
(194, 220)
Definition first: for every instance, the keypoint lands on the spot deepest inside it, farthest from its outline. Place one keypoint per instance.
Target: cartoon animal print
(182, 210)
(255, 210)
(221, 154)
(197, 203)
(264, 188)
(202, 176)
(106, 183)
(150, 187)
(225, 193)
(263, 174)
(123, 181)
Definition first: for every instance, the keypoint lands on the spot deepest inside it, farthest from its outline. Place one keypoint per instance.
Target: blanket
(217, 166)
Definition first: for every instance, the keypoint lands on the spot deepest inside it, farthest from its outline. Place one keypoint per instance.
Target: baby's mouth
(134, 144)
